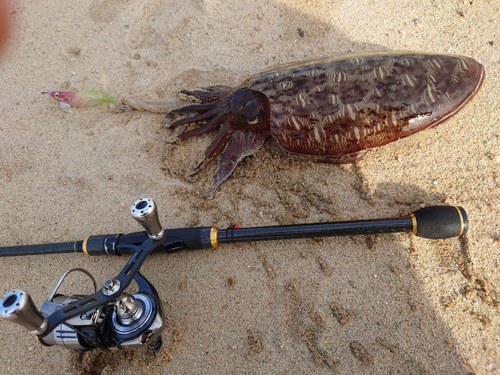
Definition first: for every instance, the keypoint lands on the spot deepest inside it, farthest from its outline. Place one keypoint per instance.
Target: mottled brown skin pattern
(332, 109)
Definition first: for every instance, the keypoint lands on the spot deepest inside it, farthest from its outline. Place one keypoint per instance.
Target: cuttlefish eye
(253, 121)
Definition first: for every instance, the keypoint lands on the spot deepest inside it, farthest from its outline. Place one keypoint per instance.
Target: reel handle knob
(18, 307)
(145, 212)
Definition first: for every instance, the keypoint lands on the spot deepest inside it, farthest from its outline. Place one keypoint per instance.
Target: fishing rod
(434, 222)
(112, 317)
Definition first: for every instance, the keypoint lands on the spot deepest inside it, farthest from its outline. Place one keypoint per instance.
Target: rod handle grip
(437, 222)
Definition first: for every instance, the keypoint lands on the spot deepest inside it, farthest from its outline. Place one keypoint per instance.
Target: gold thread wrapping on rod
(414, 223)
(462, 224)
(84, 246)
(213, 237)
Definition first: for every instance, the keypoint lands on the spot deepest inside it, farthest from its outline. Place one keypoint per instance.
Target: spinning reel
(108, 318)
(111, 317)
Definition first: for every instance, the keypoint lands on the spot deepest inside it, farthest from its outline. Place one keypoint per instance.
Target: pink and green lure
(81, 99)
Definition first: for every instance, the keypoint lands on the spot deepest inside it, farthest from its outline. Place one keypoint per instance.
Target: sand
(385, 304)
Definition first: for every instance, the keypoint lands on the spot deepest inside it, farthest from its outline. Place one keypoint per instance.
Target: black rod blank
(40, 249)
(347, 228)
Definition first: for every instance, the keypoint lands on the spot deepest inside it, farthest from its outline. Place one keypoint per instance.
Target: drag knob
(145, 212)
